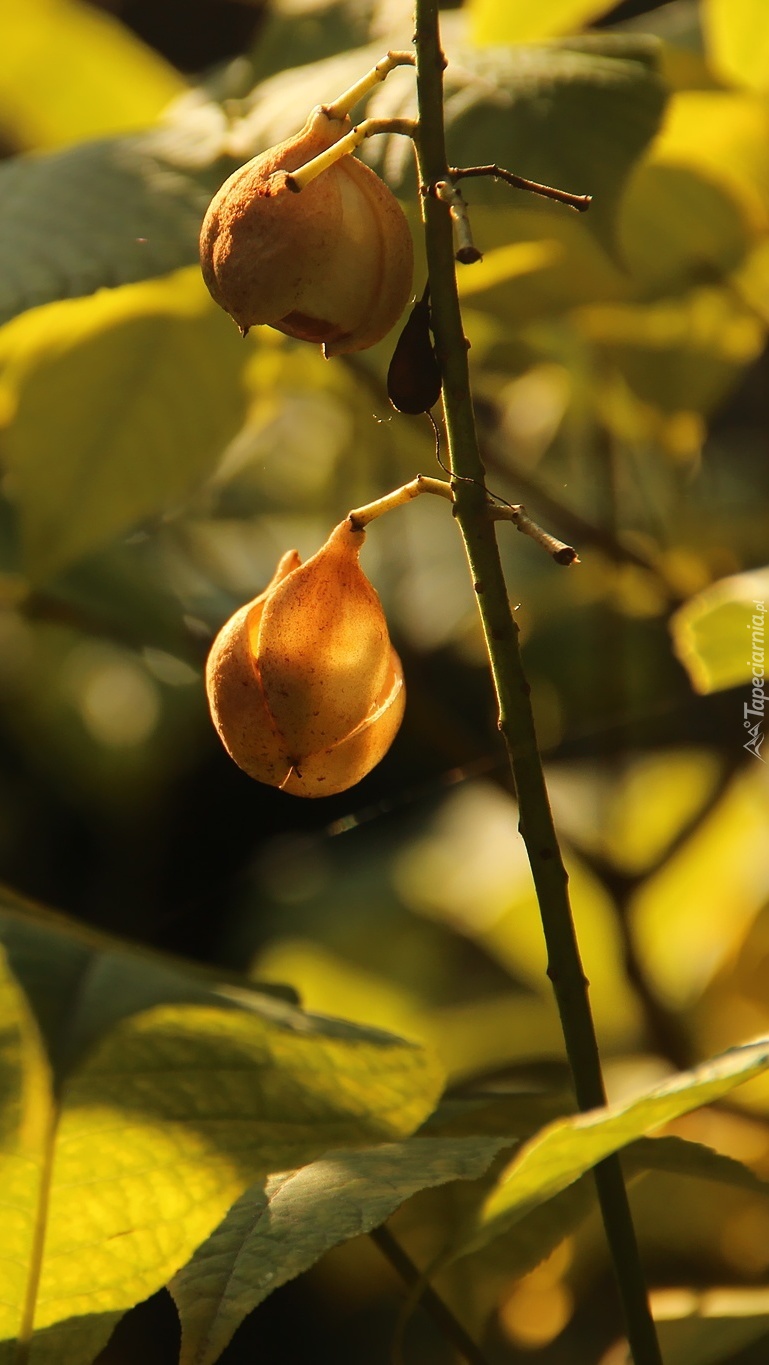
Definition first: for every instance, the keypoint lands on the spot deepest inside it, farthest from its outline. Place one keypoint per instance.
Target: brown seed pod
(414, 376)
(332, 263)
(304, 687)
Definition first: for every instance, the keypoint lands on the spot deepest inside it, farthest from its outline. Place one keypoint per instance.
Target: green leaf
(691, 917)
(171, 1096)
(567, 1148)
(737, 39)
(497, 21)
(713, 633)
(677, 1156)
(101, 214)
(678, 229)
(272, 1234)
(678, 355)
(705, 1327)
(71, 71)
(121, 404)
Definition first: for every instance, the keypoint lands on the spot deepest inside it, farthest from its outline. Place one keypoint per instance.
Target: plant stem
(430, 1301)
(515, 715)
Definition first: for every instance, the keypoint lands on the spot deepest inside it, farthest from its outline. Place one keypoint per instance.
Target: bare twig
(580, 202)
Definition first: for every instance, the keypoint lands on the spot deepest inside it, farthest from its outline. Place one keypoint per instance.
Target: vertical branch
(515, 715)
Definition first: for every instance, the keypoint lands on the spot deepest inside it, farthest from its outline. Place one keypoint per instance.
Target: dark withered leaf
(414, 376)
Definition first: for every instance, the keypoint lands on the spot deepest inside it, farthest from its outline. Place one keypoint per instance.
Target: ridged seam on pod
(331, 264)
(304, 686)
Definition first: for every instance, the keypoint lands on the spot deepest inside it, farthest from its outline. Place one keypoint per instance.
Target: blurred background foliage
(154, 468)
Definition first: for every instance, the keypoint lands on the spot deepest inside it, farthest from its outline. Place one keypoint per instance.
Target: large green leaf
(102, 213)
(170, 1096)
(276, 1231)
(705, 1327)
(567, 1148)
(120, 405)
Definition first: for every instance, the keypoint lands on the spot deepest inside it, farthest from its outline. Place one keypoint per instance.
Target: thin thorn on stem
(580, 202)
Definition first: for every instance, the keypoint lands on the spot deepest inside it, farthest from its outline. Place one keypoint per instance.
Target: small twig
(466, 252)
(498, 510)
(560, 551)
(587, 532)
(431, 1302)
(580, 202)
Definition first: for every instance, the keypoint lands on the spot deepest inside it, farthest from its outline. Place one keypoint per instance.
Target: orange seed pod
(304, 687)
(332, 263)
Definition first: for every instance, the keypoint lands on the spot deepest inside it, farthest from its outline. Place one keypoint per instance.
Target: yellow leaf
(719, 634)
(123, 402)
(690, 917)
(70, 71)
(499, 21)
(737, 39)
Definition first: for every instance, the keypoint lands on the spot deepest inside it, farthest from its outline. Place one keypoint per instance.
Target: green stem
(515, 715)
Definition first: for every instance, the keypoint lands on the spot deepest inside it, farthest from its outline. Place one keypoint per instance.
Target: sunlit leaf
(172, 1096)
(96, 215)
(536, 264)
(679, 229)
(633, 818)
(70, 71)
(706, 1326)
(121, 404)
(497, 21)
(689, 918)
(679, 354)
(273, 1233)
(737, 37)
(469, 869)
(716, 633)
(567, 1148)
(723, 136)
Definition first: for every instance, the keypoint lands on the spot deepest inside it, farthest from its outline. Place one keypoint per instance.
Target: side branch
(558, 549)
(580, 202)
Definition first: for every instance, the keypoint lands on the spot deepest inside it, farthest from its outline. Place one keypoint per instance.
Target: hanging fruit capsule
(414, 376)
(332, 263)
(303, 685)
